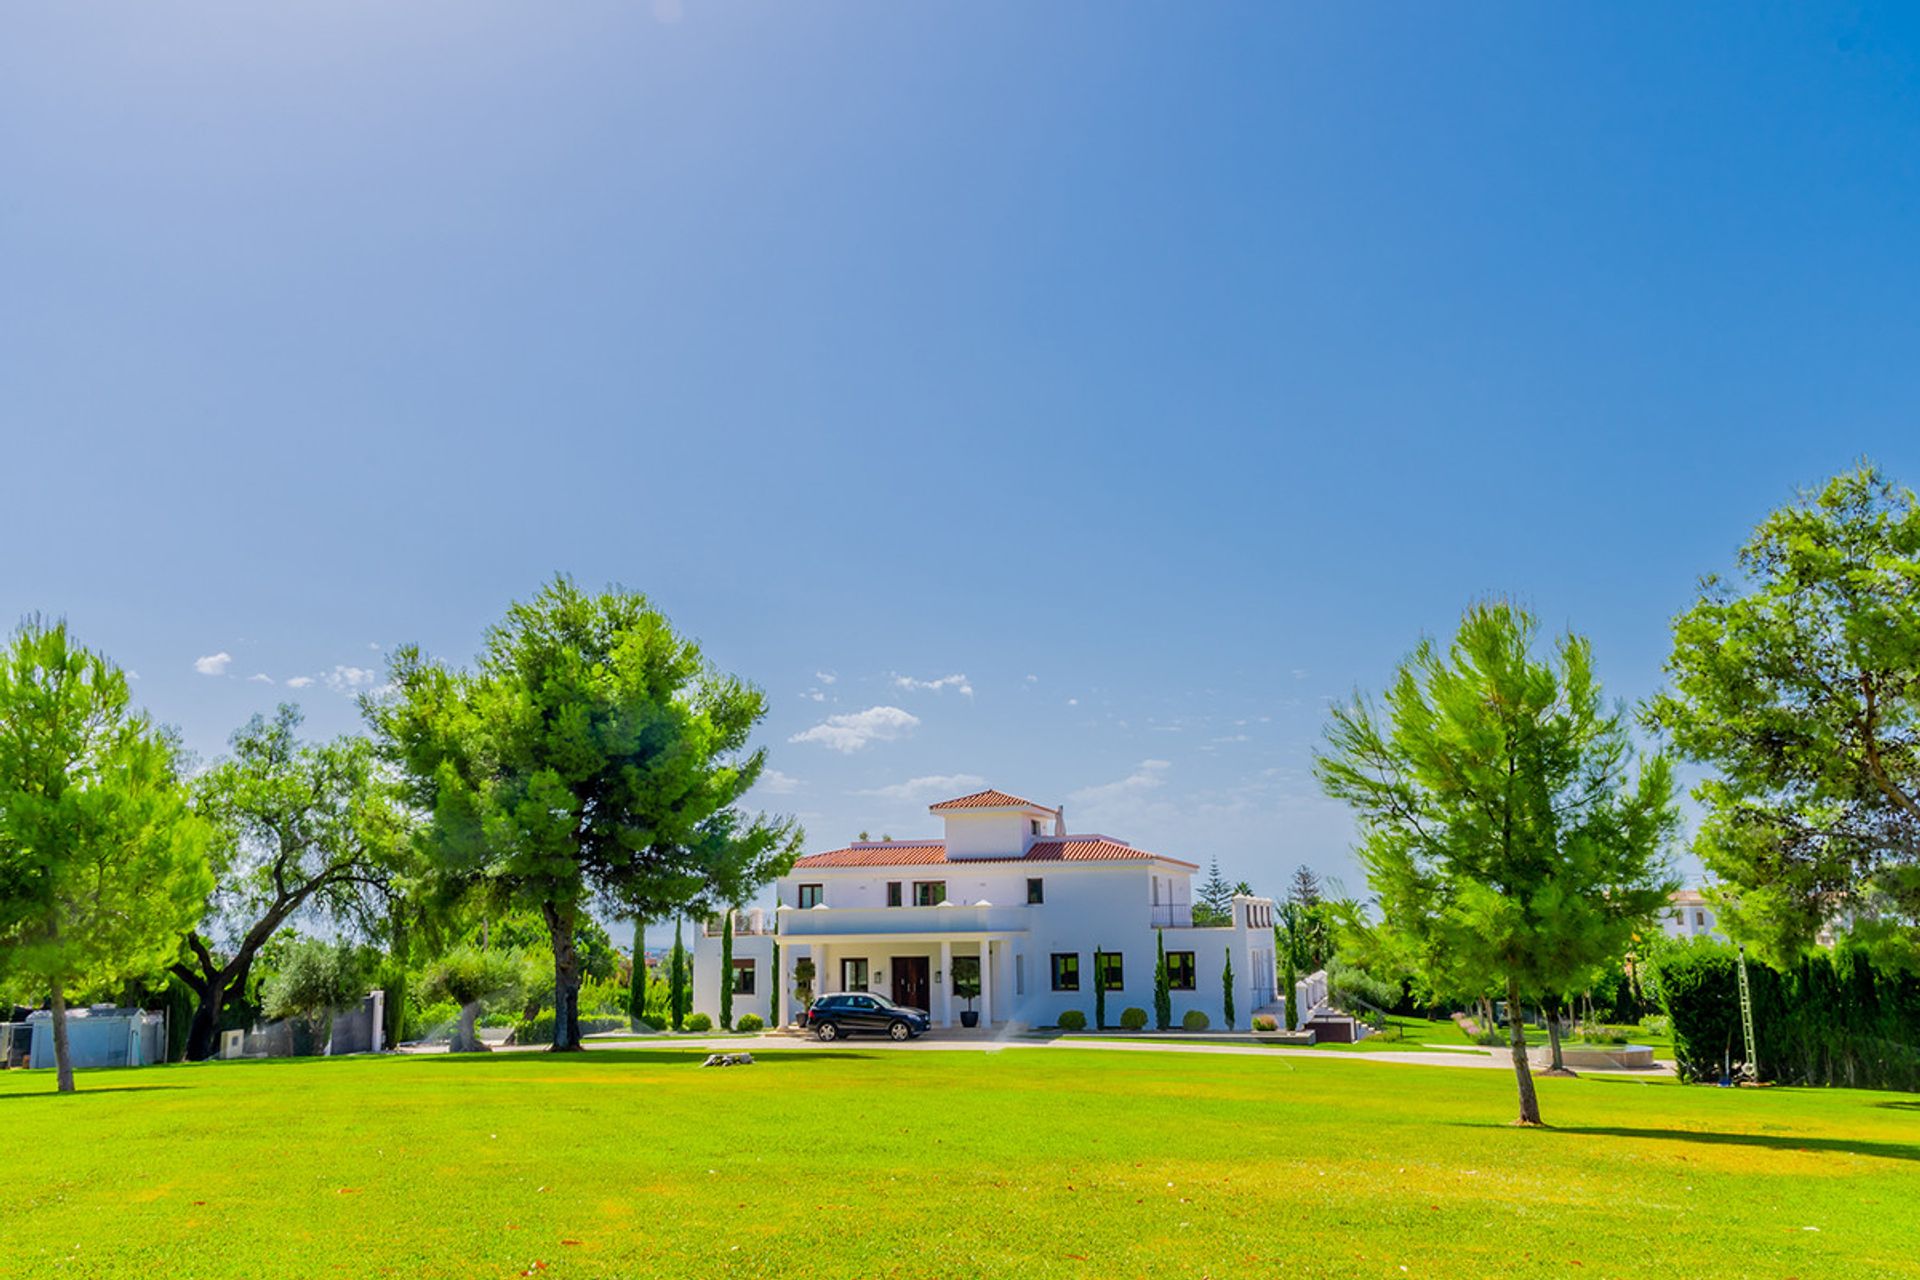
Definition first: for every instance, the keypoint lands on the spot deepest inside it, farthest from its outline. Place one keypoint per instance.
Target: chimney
(1060, 821)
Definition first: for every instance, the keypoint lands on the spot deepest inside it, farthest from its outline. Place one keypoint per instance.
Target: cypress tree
(773, 989)
(726, 972)
(1162, 985)
(1099, 992)
(677, 980)
(1226, 984)
(1292, 978)
(637, 984)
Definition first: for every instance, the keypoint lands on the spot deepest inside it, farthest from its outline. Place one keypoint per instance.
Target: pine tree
(1215, 902)
(677, 980)
(1226, 984)
(1162, 985)
(726, 971)
(1305, 888)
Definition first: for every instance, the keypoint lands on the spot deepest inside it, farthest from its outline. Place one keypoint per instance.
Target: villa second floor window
(1180, 971)
(893, 893)
(1034, 826)
(1700, 918)
(812, 895)
(1109, 970)
(1066, 971)
(929, 893)
(1036, 891)
(743, 977)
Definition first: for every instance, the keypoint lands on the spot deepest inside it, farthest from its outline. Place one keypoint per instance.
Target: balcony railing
(959, 918)
(1172, 915)
(746, 924)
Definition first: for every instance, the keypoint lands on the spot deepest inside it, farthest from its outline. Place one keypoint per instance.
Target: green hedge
(1832, 1019)
(1133, 1019)
(539, 1030)
(1073, 1020)
(1195, 1020)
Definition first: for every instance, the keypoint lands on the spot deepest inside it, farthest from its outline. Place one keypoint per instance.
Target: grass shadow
(633, 1057)
(81, 1091)
(1898, 1106)
(1773, 1142)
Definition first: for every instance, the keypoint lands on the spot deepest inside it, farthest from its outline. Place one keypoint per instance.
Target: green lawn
(874, 1162)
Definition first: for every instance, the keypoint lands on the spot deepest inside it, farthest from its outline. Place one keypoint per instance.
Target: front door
(910, 985)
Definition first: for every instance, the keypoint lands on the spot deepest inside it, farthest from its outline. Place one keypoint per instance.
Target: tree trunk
(204, 1030)
(566, 980)
(1559, 1067)
(62, 1055)
(465, 1039)
(1517, 1043)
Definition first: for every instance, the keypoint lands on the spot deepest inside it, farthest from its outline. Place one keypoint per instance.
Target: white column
(987, 979)
(822, 970)
(945, 978)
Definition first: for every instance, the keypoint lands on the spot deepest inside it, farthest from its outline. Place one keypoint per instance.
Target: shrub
(539, 1028)
(1196, 1020)
(654, 1022)
(750, 1022)
(1133, 1019)
(431, 1021)
(699, 1022)
(1073, 1020)
(1261, 1022)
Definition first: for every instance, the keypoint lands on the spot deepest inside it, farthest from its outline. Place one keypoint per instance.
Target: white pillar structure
(945, 978)
(986, 982)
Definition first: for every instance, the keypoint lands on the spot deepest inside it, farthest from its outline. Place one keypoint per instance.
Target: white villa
(1006, 897)
(1690, 916)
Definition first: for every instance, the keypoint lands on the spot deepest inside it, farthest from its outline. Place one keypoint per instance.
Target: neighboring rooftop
(988, 799)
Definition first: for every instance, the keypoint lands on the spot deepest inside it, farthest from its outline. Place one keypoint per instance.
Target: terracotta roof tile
(927, 853)
(988, 799)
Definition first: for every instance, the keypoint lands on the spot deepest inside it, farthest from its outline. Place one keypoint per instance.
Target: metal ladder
(1750, 1069)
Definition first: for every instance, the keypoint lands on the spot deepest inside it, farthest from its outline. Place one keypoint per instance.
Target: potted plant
(802, 987)
(966, 985)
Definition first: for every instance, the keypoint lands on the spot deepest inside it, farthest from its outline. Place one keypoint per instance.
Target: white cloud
(856, 729)
(299, 682)
(777, 783)
(345, 679)
(825, 677)
(814, 695)
(1147, 776)
(259, 677)
(214, 664)
(1073, 702)
(958, 683)
(928, 787)
(1033, 679)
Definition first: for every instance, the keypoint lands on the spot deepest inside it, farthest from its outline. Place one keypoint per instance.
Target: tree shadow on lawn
(1774, 1142)
(639, 1057)
(81, 1090)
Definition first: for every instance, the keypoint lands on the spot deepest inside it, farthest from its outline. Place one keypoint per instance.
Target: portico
(911, 968)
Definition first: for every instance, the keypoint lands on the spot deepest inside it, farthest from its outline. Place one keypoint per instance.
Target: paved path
(986, 1042)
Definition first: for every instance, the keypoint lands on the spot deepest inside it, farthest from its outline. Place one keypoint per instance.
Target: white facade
(1006, 894)
(1688, 915)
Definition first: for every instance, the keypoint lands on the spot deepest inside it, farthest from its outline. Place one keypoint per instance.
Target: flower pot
(970, 1019)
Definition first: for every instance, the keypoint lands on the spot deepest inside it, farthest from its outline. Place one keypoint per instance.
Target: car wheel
(828, 1031)
(899, 1030)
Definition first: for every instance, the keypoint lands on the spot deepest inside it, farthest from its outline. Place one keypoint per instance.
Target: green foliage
(966, 978)
(1831, 1018)
(306, 831)
(313, 980)
(103, 865)
(539, 1028)
(749, 1022)
(1099, 991)
(1509, 829)
(475, 981)
(1073, 1020)
(1162, 984)
(1803, 694)
(1213, 900)
(803, 975)
(773, 986)
(1226, 991)
(1197, 1020)
(679, 982)
(1264, 1022)
(592, 753)
(637, 974)
(1290, 985)
(699, 1022)
(1133, 1019)
(1349, 986)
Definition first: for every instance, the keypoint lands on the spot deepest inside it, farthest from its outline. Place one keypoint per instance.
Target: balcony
(827, 922)
(1173, 915)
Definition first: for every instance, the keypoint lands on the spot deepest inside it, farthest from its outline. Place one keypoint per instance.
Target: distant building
(1690, 916)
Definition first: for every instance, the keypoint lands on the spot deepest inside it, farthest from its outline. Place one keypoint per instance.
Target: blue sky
(1160, 370)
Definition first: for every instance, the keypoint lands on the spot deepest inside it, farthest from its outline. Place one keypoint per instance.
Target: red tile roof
(986, 800)
(927, 853)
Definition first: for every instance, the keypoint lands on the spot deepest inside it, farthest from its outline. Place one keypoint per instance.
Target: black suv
(831, 1017)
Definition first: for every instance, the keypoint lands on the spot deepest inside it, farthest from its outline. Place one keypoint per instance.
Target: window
(743, 977)
(853, 975)
(1034, 826)
(1180, 970)
(861, 1002)
(1036, 892)
(929, 893)
(1066, 971)
(812, 895)
(1109, 970)
(893, 893)
(966, 969)
(1700, 918)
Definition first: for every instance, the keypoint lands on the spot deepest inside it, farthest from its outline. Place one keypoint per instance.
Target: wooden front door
(910, 985)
